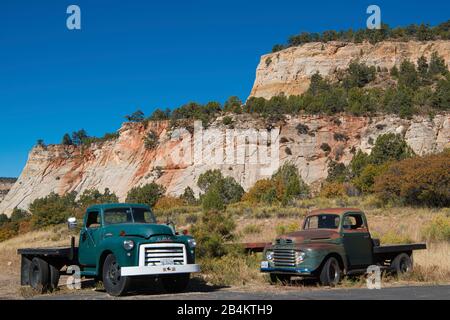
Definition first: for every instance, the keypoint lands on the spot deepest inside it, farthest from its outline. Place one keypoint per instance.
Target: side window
(93, 220)
(353, 221)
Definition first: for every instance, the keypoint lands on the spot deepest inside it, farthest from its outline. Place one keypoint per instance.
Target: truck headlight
(269, 255)
(299, 257)
(192, 243)
(128, 245)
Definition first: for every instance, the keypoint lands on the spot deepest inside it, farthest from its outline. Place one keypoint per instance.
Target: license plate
(264, 264)
(167, 262)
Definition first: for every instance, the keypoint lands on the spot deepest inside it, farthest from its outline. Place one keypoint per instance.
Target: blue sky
(147, 54)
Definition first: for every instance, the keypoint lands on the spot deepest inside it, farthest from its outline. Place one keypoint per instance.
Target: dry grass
(10, 260)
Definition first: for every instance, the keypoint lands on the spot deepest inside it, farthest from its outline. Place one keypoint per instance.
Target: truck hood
(309, 235)
(143, 230)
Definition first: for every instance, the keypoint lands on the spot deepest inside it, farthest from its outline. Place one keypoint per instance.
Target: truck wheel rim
(114, 273)
(404, 266)
(333, 272)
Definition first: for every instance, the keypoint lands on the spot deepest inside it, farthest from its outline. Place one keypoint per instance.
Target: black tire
(39, 275)
(331, 273)
(115, 285)
(175, 283)
(402, 264)
(53, 277)
(283, 278)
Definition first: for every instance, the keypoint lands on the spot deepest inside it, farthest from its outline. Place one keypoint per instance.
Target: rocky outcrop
(5, 185)
(289, 71)
(180, 157)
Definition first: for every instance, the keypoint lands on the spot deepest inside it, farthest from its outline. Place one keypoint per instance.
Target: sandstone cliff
(289, 71)
(124, 163)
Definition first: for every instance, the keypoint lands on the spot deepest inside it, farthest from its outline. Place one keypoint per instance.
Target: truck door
(357, 241)
(89, 239)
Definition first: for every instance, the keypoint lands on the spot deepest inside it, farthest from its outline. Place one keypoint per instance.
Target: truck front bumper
(293, 271)
(159, 270)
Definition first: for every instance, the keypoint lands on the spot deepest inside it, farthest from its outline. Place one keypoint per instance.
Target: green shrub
(212, 200)
(333, 190)
(19, 215)
(438, 229)
(366, 178)
(212, 232)
(93, 196)
(188, 196)
(227, 189)
(389, 147)
(151, 140)
(3, 219)
(147, 194)
(52, 209)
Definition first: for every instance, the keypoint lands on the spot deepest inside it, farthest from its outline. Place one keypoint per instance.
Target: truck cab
(118, 242)
(333, 242)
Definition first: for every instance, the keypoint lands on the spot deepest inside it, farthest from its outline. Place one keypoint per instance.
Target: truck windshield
(322, 221)
(128, 215)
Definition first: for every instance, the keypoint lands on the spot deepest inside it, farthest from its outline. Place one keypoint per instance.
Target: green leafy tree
(188, 196)
(233, 104)
(19, 215)
(151, 140)
(137, 116)
(147, 194)
(3, 219)
(52, 209)
(212, 200)
(93, 196)
(390, 147)
(67, 140)
(79, 137)
(159, 115)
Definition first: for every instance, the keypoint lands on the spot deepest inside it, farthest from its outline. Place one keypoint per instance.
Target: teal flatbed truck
(117, 242)
(332, 243)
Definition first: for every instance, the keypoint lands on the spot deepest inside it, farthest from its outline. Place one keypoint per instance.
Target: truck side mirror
(72, 223)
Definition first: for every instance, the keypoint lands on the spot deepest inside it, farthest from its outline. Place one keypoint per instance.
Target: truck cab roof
(338, 211)
(116, 205)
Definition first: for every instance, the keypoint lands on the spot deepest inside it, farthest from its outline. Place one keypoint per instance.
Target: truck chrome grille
(284, 257)
(162, 254)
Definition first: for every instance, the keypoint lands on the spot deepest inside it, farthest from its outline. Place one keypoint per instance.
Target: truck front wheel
(175, 283)
(330, 275)
(114, 283)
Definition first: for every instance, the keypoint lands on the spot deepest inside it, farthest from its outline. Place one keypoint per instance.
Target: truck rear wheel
(175, 283)
(402, 264)
(330, 275)
(53, 277)
(39, 275)
(114, 283)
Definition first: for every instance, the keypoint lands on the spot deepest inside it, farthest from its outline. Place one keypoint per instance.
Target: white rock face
(289, 71)
(124, 163)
